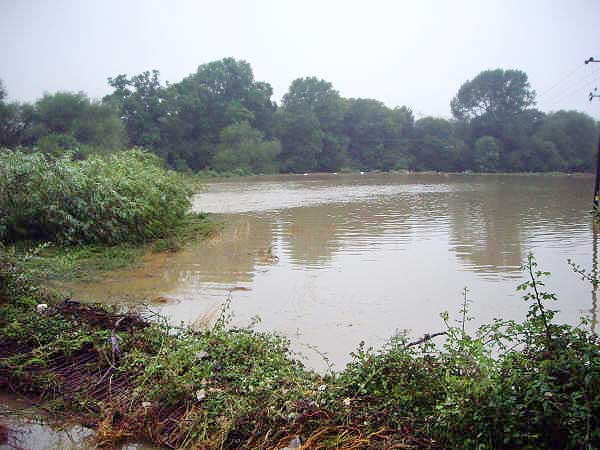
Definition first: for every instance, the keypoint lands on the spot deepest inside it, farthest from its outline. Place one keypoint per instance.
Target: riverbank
(50, 263)
(533, 384)
(210, 175)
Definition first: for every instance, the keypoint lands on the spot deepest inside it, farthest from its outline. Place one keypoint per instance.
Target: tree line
(221, 118)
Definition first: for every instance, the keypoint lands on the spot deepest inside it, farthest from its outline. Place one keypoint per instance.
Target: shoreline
(136, 378)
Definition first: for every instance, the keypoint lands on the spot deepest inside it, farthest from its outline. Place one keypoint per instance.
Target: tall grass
(124, 197)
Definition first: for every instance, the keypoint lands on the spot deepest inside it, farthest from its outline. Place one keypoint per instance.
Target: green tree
(320, 112)
(486, 154)
(182, 122)
(574, 137)
(497, 94)
(245, 149)
(12, 124)
(56, 144)
(499, 103)
(301, 140)
(66, 113)
(435, 147)
(140, 101)
(378, 135)
(219, 94)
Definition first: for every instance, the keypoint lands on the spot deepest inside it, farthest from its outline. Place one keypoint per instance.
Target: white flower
(200, 394)
(201, 355)
(146, 404)
(323, 388)
(42, 308)
(347, 401)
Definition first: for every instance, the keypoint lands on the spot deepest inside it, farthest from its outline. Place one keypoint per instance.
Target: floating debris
(294, 443)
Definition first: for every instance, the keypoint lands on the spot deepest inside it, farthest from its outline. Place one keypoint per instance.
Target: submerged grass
(64, 263)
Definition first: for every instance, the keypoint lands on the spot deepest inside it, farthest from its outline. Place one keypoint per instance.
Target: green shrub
(124, 197)
(532, 384)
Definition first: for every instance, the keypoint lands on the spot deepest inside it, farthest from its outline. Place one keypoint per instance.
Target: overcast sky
(415, 53)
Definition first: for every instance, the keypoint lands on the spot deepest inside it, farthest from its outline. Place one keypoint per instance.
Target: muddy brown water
(31, 428)
(331, 260)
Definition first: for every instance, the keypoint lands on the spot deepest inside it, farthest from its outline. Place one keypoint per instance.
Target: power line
(581, 83)
(561, 80)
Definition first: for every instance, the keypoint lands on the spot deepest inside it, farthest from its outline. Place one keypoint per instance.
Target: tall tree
(378, 135)
(244, 148)
(435, 147)
(497, 94)
(12, 124)
(498, 103)
(89, 122)
(573, 136)
(141, 103)
(314, 103)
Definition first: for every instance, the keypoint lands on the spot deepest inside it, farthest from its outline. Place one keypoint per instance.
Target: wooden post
(597, 183)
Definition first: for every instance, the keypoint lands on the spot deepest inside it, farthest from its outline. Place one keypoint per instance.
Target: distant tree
(140, 101)
(378, 135)
(301, 138)
(486, 154)
(497, 94)
(573, 136)
(316, 104)
(57, 144)
(499, 103)
(12, 123)
(435, 147)
(244, 148)
(66, 113)
(544, 156)
(182, 122)
(233, 94)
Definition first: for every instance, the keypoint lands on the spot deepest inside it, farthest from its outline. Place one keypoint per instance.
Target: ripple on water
(380, 252)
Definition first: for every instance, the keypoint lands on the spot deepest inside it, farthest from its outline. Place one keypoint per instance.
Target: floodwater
(331, 260)
(31, 428)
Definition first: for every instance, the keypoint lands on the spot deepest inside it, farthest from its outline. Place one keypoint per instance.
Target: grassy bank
(529, 384)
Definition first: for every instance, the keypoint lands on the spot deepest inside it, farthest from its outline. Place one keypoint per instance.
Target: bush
(533, 384)
(124, 197)
(243, 150)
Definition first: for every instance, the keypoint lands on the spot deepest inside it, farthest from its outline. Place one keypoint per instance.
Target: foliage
(310, 127)
(530, 384)
(244, 148)
(378, 136)
(486, 154)
(436, 146)
(495, 93)
(124, 197)
(184, 123)
(568, 141)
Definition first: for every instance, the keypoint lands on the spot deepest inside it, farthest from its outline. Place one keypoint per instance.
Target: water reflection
(333, 260)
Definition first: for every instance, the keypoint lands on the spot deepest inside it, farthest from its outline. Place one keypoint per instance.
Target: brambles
(530, 384)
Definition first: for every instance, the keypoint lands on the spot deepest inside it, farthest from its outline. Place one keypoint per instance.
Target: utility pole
(597, 182)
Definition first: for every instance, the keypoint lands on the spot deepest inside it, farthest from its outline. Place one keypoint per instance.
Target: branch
(425, 338)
